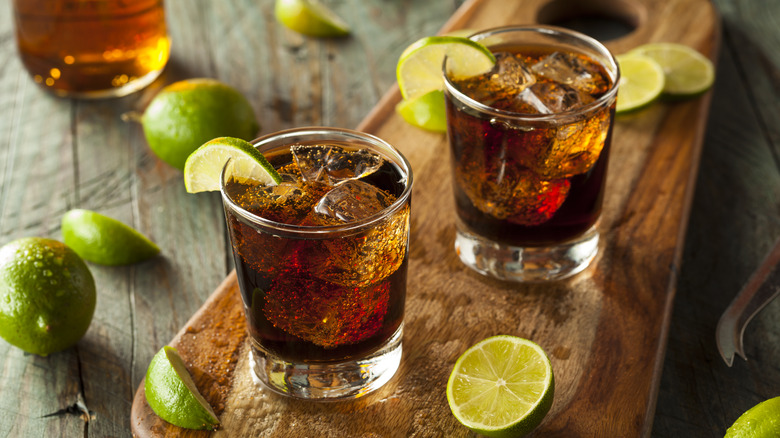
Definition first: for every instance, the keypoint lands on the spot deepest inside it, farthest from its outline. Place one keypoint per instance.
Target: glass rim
(607, 99)
(389, 153)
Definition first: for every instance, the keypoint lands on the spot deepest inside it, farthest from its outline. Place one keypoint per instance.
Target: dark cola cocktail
(529, 145)
(321, 260)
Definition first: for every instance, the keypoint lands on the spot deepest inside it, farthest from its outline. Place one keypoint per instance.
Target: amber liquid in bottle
(92, 48)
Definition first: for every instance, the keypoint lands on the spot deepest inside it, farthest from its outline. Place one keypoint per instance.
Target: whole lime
(47, 295)
(188, 113)
(760, 421)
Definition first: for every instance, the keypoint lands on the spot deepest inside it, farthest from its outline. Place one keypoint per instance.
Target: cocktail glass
(529, 148)
(321, 261)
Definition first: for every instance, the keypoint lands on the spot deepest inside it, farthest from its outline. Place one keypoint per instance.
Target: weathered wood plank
(733, 224)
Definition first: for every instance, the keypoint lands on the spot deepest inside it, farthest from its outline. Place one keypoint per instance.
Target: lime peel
(419, 69)
(502, 386)
(203, 168)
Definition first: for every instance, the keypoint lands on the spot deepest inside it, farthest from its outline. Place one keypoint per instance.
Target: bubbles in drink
(330, 291)
(518, 170)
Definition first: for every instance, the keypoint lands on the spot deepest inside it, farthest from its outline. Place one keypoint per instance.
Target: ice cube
(363, 259)
(509, 77)
(573, 70)
(330, 164)
(353, 200)
(558, 98)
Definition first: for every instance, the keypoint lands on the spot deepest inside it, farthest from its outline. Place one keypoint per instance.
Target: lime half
(172, 394)
(502, 386)
(203, 167)
(419, 69)
(310, 17)
(760, 421)
(687, 72)
(641, 82)
(426, 111)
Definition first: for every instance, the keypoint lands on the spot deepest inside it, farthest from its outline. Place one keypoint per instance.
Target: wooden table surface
(57, 154)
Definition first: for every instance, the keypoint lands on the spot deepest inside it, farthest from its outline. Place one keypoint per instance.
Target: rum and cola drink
(92, 48)
(321, 261)
(529, 145)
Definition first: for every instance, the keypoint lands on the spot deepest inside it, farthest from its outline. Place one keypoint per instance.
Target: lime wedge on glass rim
(310, 17)
(688, 73)
(503, 386)
(419, 69)
(641, 82)
(203, 168)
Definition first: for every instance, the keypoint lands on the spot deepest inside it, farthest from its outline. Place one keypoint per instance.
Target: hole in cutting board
(603, 20)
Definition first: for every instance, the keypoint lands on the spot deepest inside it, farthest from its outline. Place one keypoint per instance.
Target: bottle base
(327, 381)
(108, 93)
(526, 264)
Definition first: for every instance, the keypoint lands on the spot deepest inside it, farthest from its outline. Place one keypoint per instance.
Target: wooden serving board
(605, 329)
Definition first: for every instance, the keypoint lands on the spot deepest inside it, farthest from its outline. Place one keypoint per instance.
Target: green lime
(688, 72)
(419, 69)
(186, 114)
(204, 166)
(310, 17)
(173, 395)
(502, 386)
(760, 421)
(641, 82)
(426, 111)
(104, 240)
(47, 295)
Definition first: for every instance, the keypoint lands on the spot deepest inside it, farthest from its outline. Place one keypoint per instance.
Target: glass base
(526, 264)
(327, 381)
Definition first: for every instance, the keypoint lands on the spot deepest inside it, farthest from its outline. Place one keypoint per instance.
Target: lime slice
(426, 111)
(760, 421)
(502, 386)
(104, 240)
(688, 72)
(310, 17)
(172, 394)
(419, 68)
(203, 167)
(641, 82)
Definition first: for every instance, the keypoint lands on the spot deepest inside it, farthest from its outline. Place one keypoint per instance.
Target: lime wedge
(419, 69)
(641, 82)
(688, 72)
(172, 394)
(502, 386)
(104, 240)
(310, 17)
(203, 167)
(760, 421)
(426, 111)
